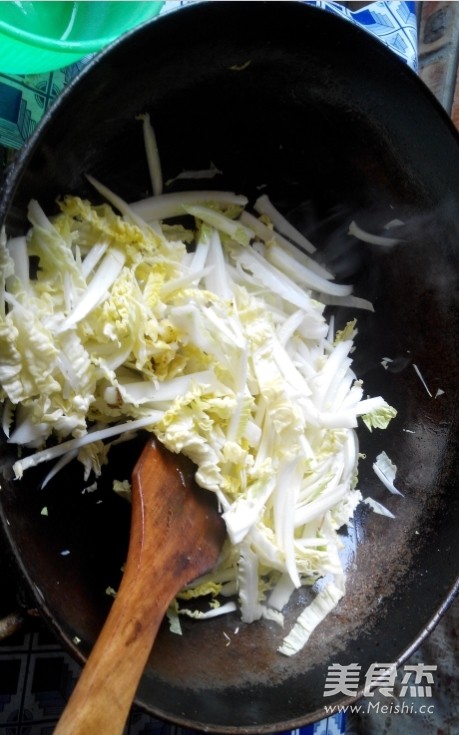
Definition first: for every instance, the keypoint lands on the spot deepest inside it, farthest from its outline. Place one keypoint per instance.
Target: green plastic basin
(43, 36)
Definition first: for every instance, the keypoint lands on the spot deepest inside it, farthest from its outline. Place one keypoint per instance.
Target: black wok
(335, 126)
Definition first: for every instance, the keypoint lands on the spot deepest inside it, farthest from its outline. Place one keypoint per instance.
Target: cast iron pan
(334, 125)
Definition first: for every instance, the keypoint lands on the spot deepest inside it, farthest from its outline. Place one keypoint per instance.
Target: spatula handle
(104, 693)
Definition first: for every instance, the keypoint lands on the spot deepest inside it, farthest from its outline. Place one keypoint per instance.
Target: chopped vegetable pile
(210, 332)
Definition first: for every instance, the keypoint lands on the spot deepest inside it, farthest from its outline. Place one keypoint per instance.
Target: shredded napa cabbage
(222, 350)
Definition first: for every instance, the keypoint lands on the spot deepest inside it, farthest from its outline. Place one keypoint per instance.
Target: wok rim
(12, 180)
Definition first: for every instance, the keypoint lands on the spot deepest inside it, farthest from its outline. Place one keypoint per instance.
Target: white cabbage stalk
(220, 222)
(71, 445)
(152, 155)
(205, 173)
(17, 248)
(304, 276)
(214, 612)
(223, 352)
(378, 508)
(381, 240)
(324, 602)
(118, 203)
(263, 205)
(98, 290)
(386, 470)
(269, 235)
(7, 270)
(172, 205)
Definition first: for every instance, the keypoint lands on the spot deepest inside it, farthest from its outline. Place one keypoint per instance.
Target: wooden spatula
(176, 535)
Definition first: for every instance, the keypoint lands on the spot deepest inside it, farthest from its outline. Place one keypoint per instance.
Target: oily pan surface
(275, 97)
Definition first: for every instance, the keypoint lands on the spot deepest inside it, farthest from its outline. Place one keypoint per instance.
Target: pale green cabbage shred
(222, 351)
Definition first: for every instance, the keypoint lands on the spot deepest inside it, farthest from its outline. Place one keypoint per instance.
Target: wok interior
(277, 98)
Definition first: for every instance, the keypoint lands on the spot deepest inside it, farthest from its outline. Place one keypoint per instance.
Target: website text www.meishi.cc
(412, 680)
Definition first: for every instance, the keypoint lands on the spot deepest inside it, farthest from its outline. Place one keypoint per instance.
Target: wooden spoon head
(172, 516)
